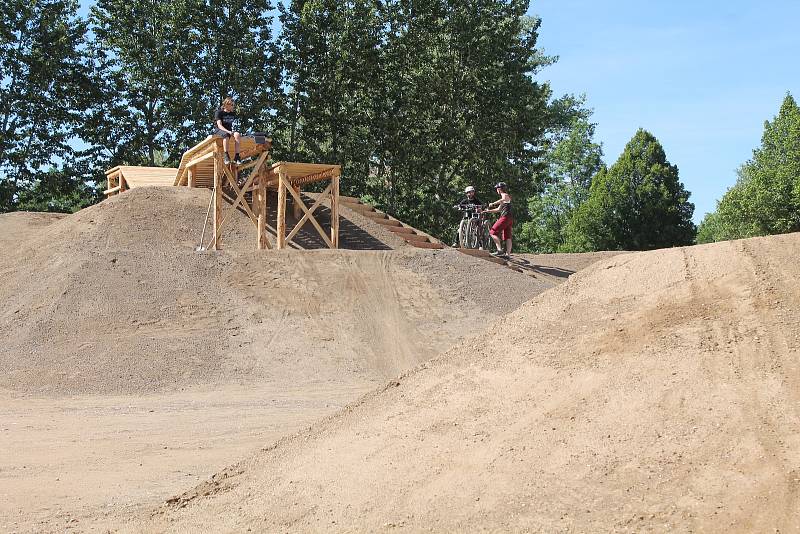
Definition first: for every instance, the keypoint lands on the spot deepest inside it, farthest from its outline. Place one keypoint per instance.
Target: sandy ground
(651, 392)
(134, 367)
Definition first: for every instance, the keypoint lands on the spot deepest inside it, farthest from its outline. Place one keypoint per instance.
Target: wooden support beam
(261, 207)
(217, 200)
(281, 222)
(190, 182)
(111, 190)
(311, 218)
(335, 211)
(233, 182)
(199, 159)
(310, 212)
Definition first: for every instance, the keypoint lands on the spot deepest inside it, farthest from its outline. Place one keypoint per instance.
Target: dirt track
(135, 367)
(652, 392)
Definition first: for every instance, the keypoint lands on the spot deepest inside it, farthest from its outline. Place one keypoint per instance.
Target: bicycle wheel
(485, 239)
(474, 233)
(462, 233)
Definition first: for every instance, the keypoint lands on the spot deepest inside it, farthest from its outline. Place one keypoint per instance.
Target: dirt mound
(114, 299)
(652, 392)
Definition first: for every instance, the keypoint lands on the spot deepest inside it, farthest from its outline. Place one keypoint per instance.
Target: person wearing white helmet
(470, 199)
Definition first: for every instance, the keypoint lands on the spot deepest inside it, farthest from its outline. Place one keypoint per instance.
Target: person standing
(223, 123)
(501, 230)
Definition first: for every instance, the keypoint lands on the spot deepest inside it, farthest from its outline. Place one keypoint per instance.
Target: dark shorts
(503, 228)
(220, 133)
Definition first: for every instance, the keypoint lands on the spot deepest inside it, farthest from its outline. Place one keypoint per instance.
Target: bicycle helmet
(501, 185)
(469, 189)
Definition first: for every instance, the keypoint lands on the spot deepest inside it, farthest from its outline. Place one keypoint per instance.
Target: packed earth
(149, 387)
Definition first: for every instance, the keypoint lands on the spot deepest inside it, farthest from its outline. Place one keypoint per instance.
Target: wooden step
(425, 244)
(361, 208)
(415, 238)
(387, 222)
(401, 229)
(349, 200)
(375, 215)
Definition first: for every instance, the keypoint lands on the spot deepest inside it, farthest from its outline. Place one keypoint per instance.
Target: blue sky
(701, 76)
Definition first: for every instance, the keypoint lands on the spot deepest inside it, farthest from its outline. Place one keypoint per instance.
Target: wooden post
(190, 183)
(261, 209)
(281, 222)
(335, 212)
(217, 198)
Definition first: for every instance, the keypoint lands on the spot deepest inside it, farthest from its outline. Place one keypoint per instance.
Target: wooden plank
(199, 159)
(111, 190)
(335, 212)
(217, 202)
(261, 195)
(281, 222)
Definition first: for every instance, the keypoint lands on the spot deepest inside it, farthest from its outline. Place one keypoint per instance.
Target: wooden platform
(289, 177)
(197, 164)
(124, 177)
(244, 187)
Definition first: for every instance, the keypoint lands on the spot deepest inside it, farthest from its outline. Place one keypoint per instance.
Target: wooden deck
(124, 177)
(244, 187)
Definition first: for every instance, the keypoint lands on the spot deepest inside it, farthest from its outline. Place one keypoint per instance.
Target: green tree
(571, 163)
(225, 49)
(766, 197)
(140, 70)
(44, 83)
(416, 99)
(637, 204)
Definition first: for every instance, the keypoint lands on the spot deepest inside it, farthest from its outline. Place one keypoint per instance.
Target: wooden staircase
(411, 235)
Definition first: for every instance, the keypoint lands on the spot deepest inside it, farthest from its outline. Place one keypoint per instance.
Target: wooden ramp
(124, 177)
(197, 164)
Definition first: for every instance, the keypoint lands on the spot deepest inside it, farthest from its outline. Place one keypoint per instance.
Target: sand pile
(652, 392)
(114, 299)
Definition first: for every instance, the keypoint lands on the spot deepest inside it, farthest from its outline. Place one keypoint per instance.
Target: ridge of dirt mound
(114, 299)
(651, 392)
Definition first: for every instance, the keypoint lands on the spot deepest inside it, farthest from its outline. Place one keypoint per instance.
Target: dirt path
(653, 392)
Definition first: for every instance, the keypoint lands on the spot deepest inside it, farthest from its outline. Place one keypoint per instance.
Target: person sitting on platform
(223, 124)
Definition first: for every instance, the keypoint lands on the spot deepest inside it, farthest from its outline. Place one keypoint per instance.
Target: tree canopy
(766, 197)
(638, 203)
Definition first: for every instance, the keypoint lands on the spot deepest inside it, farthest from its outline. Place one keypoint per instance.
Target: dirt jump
(147, 387)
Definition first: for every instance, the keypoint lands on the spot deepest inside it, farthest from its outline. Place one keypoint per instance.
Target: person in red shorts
(501, 231)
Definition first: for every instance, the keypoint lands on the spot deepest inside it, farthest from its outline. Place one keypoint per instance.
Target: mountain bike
(473, 230)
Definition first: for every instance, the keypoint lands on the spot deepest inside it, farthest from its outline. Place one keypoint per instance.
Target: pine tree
(637, 204)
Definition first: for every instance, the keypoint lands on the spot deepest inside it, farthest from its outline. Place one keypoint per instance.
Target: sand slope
(114, 299)
(133, 367)
(652, 392)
